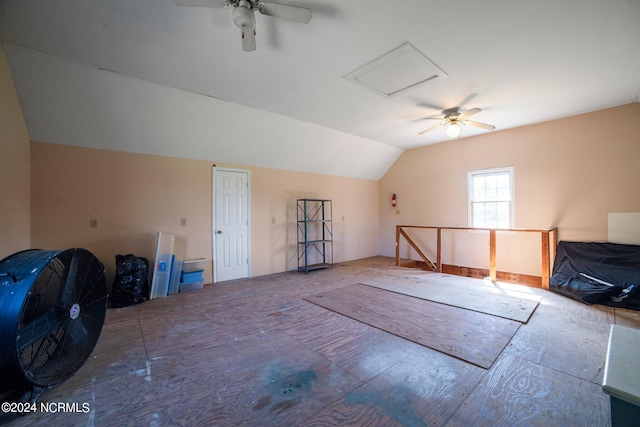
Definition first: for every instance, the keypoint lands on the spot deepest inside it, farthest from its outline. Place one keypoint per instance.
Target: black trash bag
(130, 286)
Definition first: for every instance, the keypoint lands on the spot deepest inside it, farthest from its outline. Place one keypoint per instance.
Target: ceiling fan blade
(467, 99)
(285, 11)
(479, 125)
(430, 106)
(439, 125)
(434, 118)
(249, 40)
(202, 3)
(469, 113)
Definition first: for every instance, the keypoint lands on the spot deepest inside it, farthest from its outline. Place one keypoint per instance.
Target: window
(491, 198)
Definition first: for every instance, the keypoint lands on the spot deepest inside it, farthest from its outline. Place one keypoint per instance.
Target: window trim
(470, 174)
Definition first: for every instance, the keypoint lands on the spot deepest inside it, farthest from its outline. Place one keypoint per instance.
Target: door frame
(213, 218)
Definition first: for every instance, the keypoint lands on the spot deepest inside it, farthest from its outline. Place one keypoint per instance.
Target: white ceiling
(520, 61)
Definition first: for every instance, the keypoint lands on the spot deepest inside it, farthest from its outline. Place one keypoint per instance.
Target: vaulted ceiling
(149, 76)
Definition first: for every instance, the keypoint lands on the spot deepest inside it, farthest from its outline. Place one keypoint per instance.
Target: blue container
(191, 276)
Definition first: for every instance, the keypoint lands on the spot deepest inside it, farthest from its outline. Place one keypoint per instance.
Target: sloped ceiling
(149, 76)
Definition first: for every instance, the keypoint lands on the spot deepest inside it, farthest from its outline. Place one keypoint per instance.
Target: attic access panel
(395, 72)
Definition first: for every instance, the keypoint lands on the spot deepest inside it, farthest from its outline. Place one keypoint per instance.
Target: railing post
(545, 260)
(554, 241)
(397, 245)
(439, 251)
(492, 256)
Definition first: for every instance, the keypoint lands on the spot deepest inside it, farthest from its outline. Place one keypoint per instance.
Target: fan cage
(53, 307)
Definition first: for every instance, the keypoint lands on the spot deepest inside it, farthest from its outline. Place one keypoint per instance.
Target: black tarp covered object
(598, 272)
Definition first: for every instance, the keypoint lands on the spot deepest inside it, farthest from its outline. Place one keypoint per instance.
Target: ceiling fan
(244, 14)
(454, 118)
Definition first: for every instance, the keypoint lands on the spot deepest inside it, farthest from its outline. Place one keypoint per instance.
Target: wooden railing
(548, 241)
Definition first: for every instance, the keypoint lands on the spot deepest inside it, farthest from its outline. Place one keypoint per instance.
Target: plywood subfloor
(254, 353)
(481, 298)
(468, 335)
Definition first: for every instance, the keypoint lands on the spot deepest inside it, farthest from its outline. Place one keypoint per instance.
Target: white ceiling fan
(454, 118)
(244, 14)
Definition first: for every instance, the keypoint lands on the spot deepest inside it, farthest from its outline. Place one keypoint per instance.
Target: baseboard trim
(480, 273)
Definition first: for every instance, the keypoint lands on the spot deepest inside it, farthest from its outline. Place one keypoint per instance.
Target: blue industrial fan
(52, 309)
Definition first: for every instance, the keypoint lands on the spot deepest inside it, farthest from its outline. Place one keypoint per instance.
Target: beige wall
(14, 168)
(569, 173)
(133, 196)
(274, 195)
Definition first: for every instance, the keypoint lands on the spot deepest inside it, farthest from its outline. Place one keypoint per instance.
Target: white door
(231, 225)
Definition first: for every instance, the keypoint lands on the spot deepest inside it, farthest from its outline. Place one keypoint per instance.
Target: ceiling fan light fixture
(453, 131)
(243, 17)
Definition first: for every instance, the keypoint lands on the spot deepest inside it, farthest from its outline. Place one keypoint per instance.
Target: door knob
(219, 231)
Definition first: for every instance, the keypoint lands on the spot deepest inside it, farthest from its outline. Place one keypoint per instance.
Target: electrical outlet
(183, 221)
(397, 211)
(93, 223)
